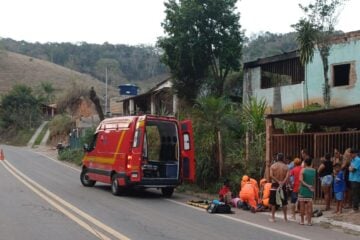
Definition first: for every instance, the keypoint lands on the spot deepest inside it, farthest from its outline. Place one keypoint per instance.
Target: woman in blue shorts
(325, 171)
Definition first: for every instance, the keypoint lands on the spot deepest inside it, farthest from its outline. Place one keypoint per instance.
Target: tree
(95, 99)
(315, 31)
(265, 44)
(135, 63)
(211, 112)
(20, 108)
(203, 44)
(48, 90)
(254, 120)
(112, 68)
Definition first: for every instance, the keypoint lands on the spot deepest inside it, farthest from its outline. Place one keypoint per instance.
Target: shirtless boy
(279, 174)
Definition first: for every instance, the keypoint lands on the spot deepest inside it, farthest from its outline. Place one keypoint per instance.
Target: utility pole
(106, 91)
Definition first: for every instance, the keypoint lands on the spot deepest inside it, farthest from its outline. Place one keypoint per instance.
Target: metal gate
(317, 145)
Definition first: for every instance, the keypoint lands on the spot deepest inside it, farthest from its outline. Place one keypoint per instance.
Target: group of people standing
(339, 174)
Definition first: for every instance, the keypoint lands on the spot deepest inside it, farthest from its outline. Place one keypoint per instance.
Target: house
(286, 85)
(159, 100)
(48, 110)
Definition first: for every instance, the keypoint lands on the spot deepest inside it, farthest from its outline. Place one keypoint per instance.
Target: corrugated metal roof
(336, 39)
(277, 58)
(348, 116)
(148, 92)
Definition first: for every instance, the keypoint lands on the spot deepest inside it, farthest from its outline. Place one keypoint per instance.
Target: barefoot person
(354, 178)
(345, 167)
(339, 187)
(279, 173)
(306, 192)
(325, 171)
(295, 173)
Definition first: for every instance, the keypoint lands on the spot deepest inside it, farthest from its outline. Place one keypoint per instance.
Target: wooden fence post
(269, 124)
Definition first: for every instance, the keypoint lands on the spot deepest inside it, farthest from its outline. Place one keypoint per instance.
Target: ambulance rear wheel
(167, 191)
(85, 180)
(115, 188)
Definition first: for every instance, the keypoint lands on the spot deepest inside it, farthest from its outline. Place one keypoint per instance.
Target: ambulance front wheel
(85, 180)
(167, 191)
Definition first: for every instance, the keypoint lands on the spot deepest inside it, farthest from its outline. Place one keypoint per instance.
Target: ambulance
(140, 151)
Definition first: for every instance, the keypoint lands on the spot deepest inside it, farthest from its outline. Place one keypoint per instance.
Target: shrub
(59, 127)
(71, 155)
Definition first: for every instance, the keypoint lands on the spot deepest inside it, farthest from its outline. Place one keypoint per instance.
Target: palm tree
(48, 90)
(314, 31)
(212, 111)
(253, 115)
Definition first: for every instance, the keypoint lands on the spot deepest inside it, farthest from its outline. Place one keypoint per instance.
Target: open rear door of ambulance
(134, 163)
(187, 151)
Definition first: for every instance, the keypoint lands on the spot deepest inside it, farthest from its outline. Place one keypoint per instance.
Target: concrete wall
(290, 97)
(311, 90)
(341, 53)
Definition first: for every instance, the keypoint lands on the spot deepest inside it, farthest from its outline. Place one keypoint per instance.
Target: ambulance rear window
(136, 142)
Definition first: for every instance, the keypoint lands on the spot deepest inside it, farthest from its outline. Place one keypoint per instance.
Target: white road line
(86, 216)
(58, 161)
(243, 221)
(57, 206)
(224, 216)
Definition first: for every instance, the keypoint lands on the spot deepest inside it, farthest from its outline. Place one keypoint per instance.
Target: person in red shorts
(295, 173)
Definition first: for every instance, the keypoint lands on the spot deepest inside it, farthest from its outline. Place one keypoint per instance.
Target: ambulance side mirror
(86, 147)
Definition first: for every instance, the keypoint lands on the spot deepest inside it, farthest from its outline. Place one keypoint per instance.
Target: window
(136, 142)
(281, 73)
(186, 141)
(145, 148)
(153, 142)
(341, 75)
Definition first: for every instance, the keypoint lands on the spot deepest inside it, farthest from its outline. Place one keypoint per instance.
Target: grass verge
(41, 135)
(16, 137)
(71, 155)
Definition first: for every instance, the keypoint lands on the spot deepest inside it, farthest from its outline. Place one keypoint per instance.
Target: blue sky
(136, 21)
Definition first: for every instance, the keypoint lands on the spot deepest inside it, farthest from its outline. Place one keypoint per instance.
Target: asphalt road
(41, 198)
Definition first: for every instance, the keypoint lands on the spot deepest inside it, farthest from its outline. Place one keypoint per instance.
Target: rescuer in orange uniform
(249, 192)
(264, 192)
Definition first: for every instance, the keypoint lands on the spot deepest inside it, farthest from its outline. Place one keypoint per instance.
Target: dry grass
(20, 69)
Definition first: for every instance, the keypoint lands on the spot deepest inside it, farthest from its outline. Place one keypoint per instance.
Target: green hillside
(124, 63)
